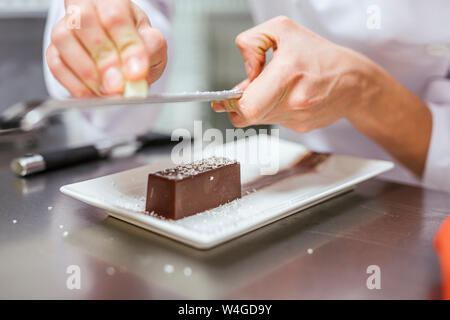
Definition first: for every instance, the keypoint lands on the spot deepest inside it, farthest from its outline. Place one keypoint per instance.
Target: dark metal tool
(33, 163)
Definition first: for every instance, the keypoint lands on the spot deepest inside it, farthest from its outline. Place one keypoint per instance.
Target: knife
(33, 163)
(49, 107)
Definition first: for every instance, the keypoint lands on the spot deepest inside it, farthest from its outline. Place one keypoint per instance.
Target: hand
(311, 82)
(115, 42)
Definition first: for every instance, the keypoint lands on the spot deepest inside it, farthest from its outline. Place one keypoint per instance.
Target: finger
(242, 85)
(65, 76)
(262, 96)
(75, 56)
(156, 46)
(254, 43)
(221, 105)
(218, 106)
(154, 42)
(102, 50)
(117, 18)
(140, 17)
(230, 105)
(235, 119)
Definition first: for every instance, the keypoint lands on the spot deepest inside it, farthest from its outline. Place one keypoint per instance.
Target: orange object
(442, 245)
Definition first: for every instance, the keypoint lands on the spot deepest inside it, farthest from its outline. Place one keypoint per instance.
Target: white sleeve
(437, 169)
(55, 13)
(114, 121)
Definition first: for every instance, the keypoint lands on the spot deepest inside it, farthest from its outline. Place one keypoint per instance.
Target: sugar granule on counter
(310, 251)
(14, 221)
(50, 208)
(110, 271)
(187, 271)
(168, 268)
(65, 234)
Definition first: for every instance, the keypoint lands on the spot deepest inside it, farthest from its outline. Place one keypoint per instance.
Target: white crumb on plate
(136, 204)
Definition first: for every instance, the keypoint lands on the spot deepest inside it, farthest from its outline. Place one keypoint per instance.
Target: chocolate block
(182, 191)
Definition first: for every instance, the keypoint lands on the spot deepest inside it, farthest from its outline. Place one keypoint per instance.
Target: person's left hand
(309, 83)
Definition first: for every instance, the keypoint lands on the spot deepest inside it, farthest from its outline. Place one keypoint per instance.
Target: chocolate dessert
(187, 189)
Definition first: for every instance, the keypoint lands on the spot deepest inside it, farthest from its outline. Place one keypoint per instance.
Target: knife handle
(68, 157)
(153, 139)
(39, 162)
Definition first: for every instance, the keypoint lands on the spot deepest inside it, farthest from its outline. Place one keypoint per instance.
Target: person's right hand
(311, 82)
(114, 43)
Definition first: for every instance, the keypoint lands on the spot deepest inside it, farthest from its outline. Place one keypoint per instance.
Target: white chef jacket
(410, 39)
(412, 43)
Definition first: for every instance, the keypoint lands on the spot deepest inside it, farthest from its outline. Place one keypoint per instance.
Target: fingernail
(113, 80)
(248, 68)
(218, 106)
(134, 65)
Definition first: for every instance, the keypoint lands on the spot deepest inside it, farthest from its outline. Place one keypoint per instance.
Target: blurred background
(205, 56)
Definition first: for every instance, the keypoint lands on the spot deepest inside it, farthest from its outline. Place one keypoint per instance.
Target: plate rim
(205, 243)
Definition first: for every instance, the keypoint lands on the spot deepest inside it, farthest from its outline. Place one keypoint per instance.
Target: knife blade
(51, 106)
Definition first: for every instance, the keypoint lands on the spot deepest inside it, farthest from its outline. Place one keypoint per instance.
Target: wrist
(372, 87)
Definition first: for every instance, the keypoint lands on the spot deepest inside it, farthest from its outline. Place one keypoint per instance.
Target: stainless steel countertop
(380, 223)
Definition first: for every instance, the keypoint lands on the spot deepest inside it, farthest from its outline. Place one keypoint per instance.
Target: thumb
(154, 42)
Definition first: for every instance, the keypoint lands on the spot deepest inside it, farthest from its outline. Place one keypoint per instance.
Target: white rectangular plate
(122, 195)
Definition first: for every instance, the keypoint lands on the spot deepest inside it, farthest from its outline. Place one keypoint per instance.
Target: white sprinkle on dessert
(197, 167)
